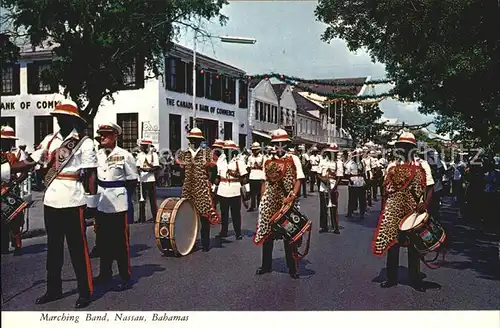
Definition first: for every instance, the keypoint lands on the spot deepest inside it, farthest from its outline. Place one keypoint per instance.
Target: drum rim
(171, 224)
(18, 210)
(426, 218)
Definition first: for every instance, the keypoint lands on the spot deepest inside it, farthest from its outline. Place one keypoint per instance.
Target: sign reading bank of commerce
(28, 105)
(199, 107)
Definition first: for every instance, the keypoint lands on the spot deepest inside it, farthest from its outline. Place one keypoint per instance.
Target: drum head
(185, 228)
(412, 220)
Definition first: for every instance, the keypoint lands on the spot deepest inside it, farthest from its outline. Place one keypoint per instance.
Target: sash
(63, 155)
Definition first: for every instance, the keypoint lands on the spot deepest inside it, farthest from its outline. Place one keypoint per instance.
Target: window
(189, 78)
(275, 114)
(216, 86)
(261, 112)
(243, 94)
(133, 78)
(130, 130)
(9, 121)
(10, 80)
(281, 116)
(293, 118)
(44, 125)
(268, 113)
(35, 83)
(209, 77)
(242, 141)
(200, 83)
(180, 76)
(256, 110)
(171, 73)
(228, 90)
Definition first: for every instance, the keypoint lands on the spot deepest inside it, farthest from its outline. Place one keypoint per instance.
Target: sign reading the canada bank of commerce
(39, 104)
(199, 107)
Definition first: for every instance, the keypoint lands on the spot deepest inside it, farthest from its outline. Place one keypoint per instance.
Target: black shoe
(17, 252)
(124, 285)
(322, 230)
(362, 217)
(221, 235)
(336, 231)
(294, 275)
(388, 284)
(82, 302)
(48, 297)
(239, 237)
(150, 220)
(418, 286)
(261, 271)
(349, 215)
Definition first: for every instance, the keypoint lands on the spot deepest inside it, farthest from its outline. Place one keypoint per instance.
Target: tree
(360, 121)
(98, 44)
(10, 52)
(443, 54)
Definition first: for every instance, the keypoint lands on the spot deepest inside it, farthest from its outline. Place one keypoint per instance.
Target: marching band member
(282, 183)
(366, 161)
(314, 159)
(355, 171)
(196, 162)
(304, 160)
(8, 137)
(231, 175)
(218, 155)
(147, 164)
(375, 174)
(65, 199)
(94, 253)
(256, 166)
(406, 196)
(117, 173)
(331, 171)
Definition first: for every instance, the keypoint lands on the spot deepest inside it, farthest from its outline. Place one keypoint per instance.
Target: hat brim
(406, 142)
(255, 148)
(281, 140)
(58, 112)
(231, 147)
(196, 137)
(9, 138)
(109, 130)
(332, 150)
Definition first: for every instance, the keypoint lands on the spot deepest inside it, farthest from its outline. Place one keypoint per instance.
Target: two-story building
(159, 108)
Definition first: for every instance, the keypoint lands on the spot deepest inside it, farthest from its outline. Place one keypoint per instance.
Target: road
(340, 273)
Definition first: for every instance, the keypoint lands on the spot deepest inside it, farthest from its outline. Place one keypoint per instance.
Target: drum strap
(299, 256)
(428, 263)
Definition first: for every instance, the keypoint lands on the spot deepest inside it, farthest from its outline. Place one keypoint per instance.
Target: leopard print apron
(404, 186)
(197, 186)
(276, 170)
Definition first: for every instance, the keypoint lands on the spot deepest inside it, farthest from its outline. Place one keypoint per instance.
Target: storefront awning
(299, 140)
(261, 134)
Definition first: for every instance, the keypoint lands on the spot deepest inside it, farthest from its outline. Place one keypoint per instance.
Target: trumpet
(141, 199)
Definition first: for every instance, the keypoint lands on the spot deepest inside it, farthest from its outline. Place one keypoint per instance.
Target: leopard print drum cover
(276, 170)
(404, 186)
(197, 186)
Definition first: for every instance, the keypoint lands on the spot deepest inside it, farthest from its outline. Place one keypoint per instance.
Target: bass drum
(176, 226)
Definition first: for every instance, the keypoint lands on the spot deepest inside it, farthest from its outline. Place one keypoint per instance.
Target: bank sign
(200, 107)
(39, 104)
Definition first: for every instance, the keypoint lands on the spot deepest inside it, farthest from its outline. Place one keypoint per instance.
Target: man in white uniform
(304, 160)
(231, 175)
(69, 157)
(366, 161)
(357, 193)
(256, 166)
(314, 159)
(117, 173)
(331, 171)
(147, 164)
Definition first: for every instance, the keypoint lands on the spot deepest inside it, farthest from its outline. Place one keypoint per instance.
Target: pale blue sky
(288, 42)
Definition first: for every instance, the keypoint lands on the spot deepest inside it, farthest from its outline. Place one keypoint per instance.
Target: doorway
(209, 128)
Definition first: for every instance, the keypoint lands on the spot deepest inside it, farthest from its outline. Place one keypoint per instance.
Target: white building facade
(158, 109)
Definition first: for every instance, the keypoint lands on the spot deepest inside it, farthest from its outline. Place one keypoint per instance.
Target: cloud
(289, 42)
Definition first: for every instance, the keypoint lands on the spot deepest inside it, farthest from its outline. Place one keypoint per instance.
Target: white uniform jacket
(256, 174)
(230, 186)
(113, 172)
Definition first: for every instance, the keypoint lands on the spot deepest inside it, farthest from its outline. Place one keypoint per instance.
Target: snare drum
(12, 205)
(425, 234)
(290, 223)
(176, 226)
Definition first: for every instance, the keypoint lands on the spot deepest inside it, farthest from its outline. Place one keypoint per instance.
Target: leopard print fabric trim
(197, 187)
(404, 185)
(272, 200)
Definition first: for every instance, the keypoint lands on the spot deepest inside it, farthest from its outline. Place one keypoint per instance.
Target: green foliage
(359, 121)
(443, 54)
(98, 43)
(10, 52)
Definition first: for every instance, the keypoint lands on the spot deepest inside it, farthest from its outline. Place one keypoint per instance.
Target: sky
(288, 42)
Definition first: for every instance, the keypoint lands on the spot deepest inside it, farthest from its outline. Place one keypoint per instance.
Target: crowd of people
(100, 178)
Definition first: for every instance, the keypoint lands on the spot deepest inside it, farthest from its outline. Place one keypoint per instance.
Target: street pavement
(339, 273)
